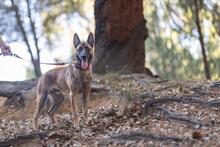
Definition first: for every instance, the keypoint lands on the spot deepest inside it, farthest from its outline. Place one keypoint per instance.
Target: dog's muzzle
(84, 61)
(84, 64)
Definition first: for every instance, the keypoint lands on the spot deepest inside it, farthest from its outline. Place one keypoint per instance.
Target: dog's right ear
(90, 39)
(76, 40)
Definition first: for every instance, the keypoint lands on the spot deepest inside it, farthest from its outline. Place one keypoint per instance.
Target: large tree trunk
(120, 34)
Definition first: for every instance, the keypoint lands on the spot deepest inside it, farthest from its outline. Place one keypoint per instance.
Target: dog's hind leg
(41, 98)
(56, 98)
(50, 107)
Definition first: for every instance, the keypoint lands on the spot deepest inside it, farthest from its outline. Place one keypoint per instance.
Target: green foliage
(173, 48)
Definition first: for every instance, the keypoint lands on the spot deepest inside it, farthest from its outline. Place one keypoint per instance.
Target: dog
(72, 79)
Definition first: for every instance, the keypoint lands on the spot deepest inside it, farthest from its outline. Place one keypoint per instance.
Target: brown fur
(55, 83)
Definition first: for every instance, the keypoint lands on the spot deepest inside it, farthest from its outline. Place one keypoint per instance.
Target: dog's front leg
(86, 93)
(73, 96)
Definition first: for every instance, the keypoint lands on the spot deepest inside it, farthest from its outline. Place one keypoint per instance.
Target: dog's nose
(84, 57)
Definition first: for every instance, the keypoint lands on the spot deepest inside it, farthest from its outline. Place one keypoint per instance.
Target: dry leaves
(129, 125)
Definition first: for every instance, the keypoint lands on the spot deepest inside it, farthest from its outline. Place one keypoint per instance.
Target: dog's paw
(85, 121)
(35, 127)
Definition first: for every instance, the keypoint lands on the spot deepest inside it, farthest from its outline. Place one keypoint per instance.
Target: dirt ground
(136, 110)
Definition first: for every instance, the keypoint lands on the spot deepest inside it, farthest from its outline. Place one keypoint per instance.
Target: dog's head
(84, 51)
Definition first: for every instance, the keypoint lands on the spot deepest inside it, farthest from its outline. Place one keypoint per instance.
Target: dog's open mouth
(84, 64)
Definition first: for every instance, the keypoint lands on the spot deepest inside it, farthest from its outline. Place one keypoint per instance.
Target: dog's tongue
(84, 65)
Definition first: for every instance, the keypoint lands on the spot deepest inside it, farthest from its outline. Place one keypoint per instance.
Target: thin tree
(198, 4)
(33, 31)
(35, 62)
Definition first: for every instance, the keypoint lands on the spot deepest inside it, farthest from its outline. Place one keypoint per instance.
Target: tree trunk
(197, 21)
(120, 34)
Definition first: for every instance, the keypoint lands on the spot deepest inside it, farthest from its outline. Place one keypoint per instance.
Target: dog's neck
(85, 75)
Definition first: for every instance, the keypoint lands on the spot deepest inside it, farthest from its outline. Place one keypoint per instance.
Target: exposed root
(179, 117)
(137, 136)
(182, 99)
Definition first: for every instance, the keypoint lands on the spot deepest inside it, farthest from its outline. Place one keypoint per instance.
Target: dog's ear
(90, 39)
(76, 40)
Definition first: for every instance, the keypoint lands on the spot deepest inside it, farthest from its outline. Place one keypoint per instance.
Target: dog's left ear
(90, 39)
(76, 40)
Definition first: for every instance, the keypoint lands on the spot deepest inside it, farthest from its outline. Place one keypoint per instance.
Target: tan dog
(72, 79)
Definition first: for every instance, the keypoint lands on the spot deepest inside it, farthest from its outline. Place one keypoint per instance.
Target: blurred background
(178, 40)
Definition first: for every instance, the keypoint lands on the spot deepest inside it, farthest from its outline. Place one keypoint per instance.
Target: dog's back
(53, 79)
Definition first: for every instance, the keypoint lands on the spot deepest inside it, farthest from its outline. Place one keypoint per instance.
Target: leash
(46, 63)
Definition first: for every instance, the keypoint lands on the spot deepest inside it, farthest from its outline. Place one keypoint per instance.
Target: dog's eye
(87, 48)
(80, 49)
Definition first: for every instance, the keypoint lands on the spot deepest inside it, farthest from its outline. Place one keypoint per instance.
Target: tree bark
(197, 21)
(120, 34)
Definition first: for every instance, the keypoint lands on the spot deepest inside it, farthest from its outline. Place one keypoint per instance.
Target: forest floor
(129, 110)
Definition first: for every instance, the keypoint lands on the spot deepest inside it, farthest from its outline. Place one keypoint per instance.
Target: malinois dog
(72, 79)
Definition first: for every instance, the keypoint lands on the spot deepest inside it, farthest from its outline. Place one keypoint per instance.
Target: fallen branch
(144, 136)
(179, 117)
(9, 89)
(22, 138)
(17, 92)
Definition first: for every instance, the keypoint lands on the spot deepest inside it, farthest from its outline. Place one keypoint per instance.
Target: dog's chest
(77, 84)
(80, 80)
